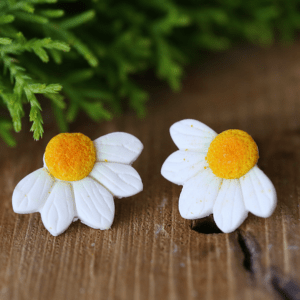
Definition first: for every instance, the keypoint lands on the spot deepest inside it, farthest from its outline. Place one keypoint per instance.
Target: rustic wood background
(151, 252)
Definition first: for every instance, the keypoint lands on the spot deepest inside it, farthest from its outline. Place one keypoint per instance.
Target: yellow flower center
(232, 154)
(70, 156)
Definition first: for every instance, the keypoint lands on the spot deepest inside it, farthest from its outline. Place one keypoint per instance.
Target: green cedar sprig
(22, 88)
(91, 51)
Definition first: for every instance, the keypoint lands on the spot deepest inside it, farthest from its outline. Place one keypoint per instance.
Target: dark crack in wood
(251, 251)
(247, 263)
(271, 278)
(286, 288)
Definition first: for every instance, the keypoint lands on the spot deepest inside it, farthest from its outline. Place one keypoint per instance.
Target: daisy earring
(79, 179)
(219, 175)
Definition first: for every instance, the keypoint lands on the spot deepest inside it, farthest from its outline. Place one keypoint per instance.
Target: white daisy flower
(79, 179)
(219, 175)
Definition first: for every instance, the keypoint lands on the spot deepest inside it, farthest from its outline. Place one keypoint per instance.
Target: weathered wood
(151, 252)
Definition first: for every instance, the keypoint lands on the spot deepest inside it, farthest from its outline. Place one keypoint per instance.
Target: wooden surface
(151, 252)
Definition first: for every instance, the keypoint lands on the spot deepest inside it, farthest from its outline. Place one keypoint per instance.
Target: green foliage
(88, 51)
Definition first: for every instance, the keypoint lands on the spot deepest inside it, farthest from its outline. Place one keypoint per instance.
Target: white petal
(229, 209)
(198, 195)
(95, 205)
(192, 135)
(258, 192)
(180, 166)
(121, 180)
(118, 147)
(32, 191)
(59, 209)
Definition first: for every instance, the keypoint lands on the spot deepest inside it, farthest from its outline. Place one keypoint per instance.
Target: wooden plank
(151, 252)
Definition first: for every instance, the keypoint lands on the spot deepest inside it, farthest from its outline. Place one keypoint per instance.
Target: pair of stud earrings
(80, 177)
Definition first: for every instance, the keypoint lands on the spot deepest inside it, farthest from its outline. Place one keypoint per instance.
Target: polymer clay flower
(219, 175)
(79, 179)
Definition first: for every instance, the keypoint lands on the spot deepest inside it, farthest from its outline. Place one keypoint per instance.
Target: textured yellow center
(70, 156)
(232, 154)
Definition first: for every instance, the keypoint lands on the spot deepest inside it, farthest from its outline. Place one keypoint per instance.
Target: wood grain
(151, 252)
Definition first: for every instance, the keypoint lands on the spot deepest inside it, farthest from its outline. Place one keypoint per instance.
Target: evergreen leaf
(6, 19)
(72, 40)
(58, 45)
(5, 41)
(77, 20)
(32, 18)
(39, 88)
(23, 5)
(42, 1)
(41, 53)
(79, 76)
(57, 99)
(56, 55)
(52, 13)
(60, 118)
(96, 111)
(37, 122)
(72, 112)
(96, 93)
(5, 128)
